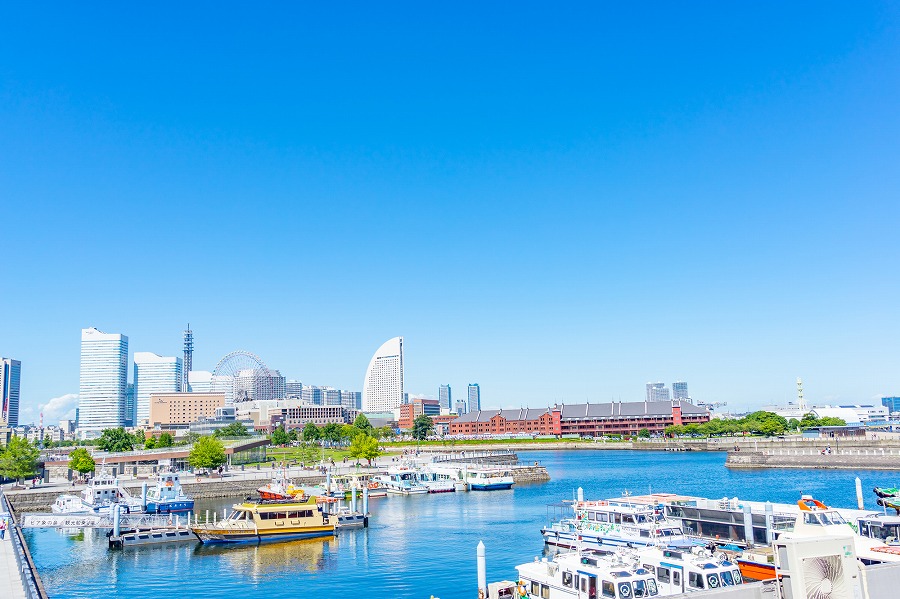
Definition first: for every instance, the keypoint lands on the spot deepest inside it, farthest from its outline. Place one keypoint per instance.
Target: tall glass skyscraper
(153, 374)
(383, 385)
(444, 397)
(103, 381)
(10, 379)
(679, 390)
(474, 397)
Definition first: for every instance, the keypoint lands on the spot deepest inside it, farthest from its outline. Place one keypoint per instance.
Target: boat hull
(211, 536)
(490, 486)
(169, 507)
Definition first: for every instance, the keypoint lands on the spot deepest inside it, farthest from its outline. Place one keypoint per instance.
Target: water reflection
(306, 555)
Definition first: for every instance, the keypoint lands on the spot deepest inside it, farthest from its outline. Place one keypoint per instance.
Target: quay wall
(814, 460)
(530, 474)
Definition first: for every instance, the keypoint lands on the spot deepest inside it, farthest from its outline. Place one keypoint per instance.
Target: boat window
(737, 577)
(592, 515)
(645, 532)
(640, 588)
(662, 574)
(618, 518)
(567, 579)
(535, 588)
(628, 519)
(608, 589)
(676, 578)
(584, 584)
(695, 580)
(651, 584)
(640, 519)
(649, 567)
(727, 579)
(713, 580)
(811, 518)
(545, 592)
(602, 517)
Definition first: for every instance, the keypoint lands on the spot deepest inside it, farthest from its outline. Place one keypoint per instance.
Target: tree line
(758, 423)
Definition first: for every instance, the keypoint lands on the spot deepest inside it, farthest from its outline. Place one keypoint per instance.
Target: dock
(19, 578)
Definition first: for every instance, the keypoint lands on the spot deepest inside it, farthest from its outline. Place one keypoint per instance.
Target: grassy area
(297, 454)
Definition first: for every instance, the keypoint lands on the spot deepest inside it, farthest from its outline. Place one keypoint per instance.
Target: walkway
(10, 578)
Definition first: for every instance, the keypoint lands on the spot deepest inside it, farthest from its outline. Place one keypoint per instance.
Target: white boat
(688, 571)
(401, 481)
(100, 493)
(437, 480)
(585, 574)
(71, 504)
(489, 479)
(614, 523)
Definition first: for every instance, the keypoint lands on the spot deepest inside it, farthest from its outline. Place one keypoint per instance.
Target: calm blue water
(416, 546)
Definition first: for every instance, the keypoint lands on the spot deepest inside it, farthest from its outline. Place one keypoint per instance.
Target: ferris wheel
(238, 361)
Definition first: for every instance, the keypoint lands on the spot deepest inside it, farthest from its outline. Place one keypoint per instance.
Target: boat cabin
(588, 575)
(883, 528)
(689, 571)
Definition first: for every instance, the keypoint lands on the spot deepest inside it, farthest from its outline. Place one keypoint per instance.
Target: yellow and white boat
(255, 521)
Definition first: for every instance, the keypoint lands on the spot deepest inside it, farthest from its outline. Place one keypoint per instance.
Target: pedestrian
(2, 529)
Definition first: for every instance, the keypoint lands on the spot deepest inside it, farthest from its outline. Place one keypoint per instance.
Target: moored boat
(585, 574)
(167, 496)
(489, 479)
(269, 521)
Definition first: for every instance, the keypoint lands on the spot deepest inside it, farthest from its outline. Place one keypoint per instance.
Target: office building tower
(657, 392)
(311, 395)
(188, 359)
(200, 381)
(130, 406)
(474, 398)
(331, 396)
(383, 384)
(153, 374)
(10, 380)
(460, 406)
(679, 390)
(352, 400)
(103, 381)
(258, 384)
(444, 397)
(293, 388)
(891, 403)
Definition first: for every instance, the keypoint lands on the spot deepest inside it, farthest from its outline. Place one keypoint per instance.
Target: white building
(383, 385)
(200, 381)
(846, 414)
(103, 381)
(445, 396)
(870, 413)
(474, 404)
(258, 384)
(153, 374)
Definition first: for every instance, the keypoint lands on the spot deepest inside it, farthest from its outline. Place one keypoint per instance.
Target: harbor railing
(31, 580)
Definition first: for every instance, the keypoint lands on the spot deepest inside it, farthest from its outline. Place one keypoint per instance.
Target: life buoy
(169, 484)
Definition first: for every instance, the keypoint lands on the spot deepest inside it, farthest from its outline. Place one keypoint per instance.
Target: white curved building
(383, 387)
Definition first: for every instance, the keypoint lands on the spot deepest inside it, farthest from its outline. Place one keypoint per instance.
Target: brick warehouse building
(586, 419)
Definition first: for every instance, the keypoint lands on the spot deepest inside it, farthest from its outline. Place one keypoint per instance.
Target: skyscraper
(383, 385)
(130, 406)
(474, 398)
(103, 381)
(460, 406)
(679, 390)
(445, 397)
(657, 392)
(10, 379)
(153, 374)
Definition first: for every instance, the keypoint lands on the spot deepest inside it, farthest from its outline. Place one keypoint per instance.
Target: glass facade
(153, 374)
(103, 380)
(383, 387)
(10, 379)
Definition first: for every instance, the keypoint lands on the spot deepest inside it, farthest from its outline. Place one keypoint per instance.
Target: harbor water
(416, 546)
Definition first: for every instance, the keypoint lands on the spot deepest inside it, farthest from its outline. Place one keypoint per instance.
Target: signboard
(62, 521)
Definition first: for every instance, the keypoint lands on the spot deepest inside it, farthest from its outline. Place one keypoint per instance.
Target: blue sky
(557, 202)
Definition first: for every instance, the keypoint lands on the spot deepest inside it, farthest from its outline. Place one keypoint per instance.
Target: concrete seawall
(843, 461)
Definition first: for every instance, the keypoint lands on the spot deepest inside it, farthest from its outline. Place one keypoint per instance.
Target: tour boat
(887, 491)
(489, 479)
(401, 481)
(72, 504)
(167, 496)
(268, 521)
(585, 574)
(613, 523)
(100, 493)
(279, 489)
(686, 571)
(437, 481)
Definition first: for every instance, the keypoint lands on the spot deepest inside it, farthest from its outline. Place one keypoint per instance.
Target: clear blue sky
(558, 202)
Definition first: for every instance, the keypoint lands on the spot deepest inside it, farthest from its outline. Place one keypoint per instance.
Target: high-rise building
(10, 380)
(312, 395)
(891, 403)
(258, 384)
(679, 390)
(657, 392)
(153, 374)
(200, 381)
(460, 406)
(352, 400)
(103, 381)
(331, 396)
(444, 397)
(474, 398)
(293, 388)
(130, 406)
(383, 385)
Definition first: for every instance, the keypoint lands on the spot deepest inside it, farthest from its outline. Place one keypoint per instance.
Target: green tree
(363, 424)
(332, 433)
(208, 452)
(311, 432)
(422, 427)
(309, 452)
(19, 459)
(165, 440)
(294, 435)
(280, 436)
(117, 439)
(644, 433)
(190, 438)
(151, 443)
(235, 429)
(81, 461)
(831, 421)
(673, 430)
(384, 432)
(365, 447)
(350, 432)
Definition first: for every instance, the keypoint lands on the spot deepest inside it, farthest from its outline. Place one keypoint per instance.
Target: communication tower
(188, 357)
(800, 396)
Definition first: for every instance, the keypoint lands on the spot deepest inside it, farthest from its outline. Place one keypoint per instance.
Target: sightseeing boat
(612, 523)
(279, 489)
(437, 481)
(98, 497)
(401, 481)
(268, 521)
(489, 479)
(585, 574)
(167, 496)
(686, 571)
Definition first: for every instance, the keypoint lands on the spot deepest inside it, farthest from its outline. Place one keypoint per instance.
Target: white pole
(366, 500)
(859, 495)
(748, 525)
(580, 495)
(353, 499)
(207, 515)
(482, 569)
(117, 525)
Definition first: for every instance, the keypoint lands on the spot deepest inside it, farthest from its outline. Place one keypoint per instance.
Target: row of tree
(757, 423)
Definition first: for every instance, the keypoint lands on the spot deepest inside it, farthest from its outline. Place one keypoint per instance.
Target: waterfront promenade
(11, 585)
